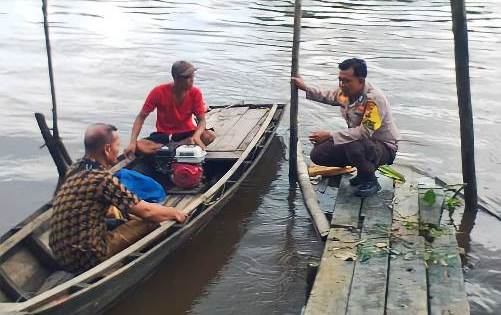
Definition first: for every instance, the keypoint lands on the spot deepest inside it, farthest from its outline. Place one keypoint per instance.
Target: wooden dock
(392, 253)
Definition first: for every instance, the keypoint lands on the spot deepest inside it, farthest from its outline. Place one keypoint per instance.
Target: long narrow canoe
(27, 264)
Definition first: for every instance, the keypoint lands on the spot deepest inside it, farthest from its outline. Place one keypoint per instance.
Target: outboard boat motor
(164, 158)
(182, 164)
(187, 171)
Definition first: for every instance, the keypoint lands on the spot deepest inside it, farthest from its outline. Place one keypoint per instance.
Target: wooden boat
(26, 261)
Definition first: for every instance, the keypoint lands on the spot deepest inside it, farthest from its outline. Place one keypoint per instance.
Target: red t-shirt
(172, 117)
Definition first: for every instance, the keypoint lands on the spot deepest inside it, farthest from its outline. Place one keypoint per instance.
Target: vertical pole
(53, 141)
(311, 274)
(55, 130)
(294, 97)
(460, 30)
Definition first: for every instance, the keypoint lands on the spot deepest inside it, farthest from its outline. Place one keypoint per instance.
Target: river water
(252, 258)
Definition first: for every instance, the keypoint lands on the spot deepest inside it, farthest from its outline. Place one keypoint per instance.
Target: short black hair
(358, 65)
(97, 135)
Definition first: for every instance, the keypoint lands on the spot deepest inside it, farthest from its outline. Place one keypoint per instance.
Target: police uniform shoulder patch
(372, 118)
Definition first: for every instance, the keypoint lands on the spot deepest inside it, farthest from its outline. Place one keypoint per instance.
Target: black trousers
(164, 138)
(365, 154)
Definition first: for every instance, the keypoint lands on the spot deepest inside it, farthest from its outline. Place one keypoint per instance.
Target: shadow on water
(464, 232)
(479, 235)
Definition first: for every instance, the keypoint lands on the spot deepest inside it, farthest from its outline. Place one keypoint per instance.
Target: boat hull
(95, 298)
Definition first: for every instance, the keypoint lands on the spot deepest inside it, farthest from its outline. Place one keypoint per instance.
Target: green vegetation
(368, 248)
(451, 203)
(390, 172)
(442, 257)
(371, 247)
(430, 197)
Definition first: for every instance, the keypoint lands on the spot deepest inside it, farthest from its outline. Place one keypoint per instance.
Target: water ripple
(109, 54)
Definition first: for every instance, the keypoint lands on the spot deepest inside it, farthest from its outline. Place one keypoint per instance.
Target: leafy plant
(431, 231)
(363, 252)
(430, 197)
(410, 225)
(390, 172)
(444, 258)
(368, 248)
(451, 204)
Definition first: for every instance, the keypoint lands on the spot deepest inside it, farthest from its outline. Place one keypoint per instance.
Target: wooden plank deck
(390, 254)
(407, 280)
(234, 127)
(332, 284)
(368, 287)
(347, 208)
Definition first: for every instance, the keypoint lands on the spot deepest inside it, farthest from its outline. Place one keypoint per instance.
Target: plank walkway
(391, 253)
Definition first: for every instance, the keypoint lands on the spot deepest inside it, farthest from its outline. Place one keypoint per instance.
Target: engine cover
(186, 175)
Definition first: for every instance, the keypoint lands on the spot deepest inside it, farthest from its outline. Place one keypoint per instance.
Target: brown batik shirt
(78, 226)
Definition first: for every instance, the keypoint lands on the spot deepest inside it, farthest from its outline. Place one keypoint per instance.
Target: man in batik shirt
(371, 137)
(79, 237)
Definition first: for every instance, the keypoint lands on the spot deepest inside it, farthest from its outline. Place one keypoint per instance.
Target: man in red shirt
(176, 104)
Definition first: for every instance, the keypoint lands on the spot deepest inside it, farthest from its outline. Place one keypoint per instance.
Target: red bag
(186, 175)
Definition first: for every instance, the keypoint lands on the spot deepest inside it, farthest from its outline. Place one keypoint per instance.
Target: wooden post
(55, 130)
(55, 144)
(311, 273)
(294, 106)
(460, 30)
(318, 217)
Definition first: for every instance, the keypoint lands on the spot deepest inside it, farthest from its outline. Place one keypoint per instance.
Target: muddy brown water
(252, 258)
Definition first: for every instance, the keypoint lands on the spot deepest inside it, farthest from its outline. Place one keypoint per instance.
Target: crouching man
(371, 137)
(79, 237)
